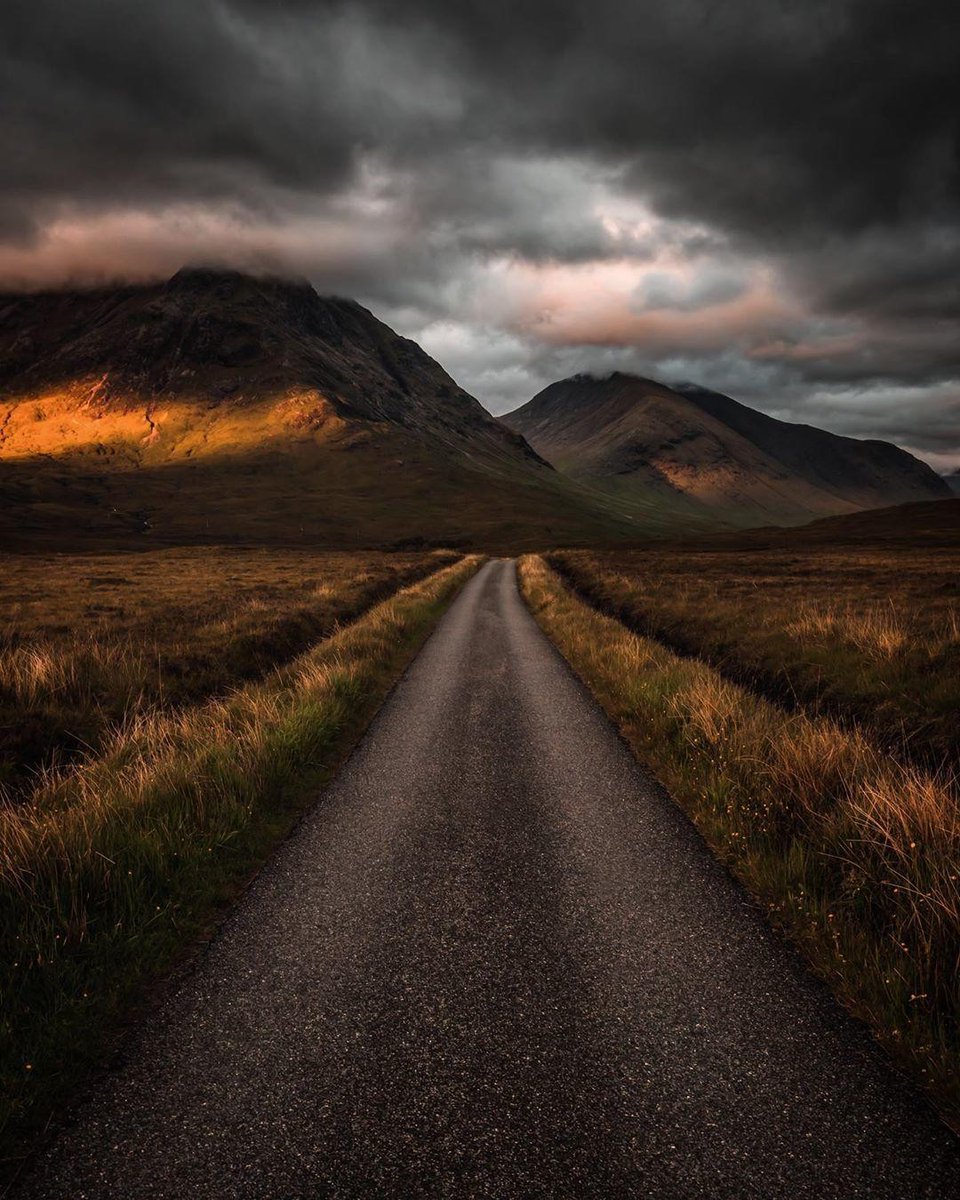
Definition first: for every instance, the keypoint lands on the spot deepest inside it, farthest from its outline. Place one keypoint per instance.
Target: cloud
(763, 189)
(659, 290)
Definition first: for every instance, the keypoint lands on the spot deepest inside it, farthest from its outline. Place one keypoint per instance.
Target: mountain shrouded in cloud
(762, 197)
(235, 406)
(223, 404)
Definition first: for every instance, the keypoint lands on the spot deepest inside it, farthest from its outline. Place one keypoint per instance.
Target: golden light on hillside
(124, 430)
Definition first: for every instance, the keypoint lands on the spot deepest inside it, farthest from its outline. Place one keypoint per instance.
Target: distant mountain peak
(689, 446)
(608, 377)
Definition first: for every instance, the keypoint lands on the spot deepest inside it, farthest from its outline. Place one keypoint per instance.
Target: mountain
(223, 405)
(689, 451)
(953, 481)
(234, 342)
(934, 524)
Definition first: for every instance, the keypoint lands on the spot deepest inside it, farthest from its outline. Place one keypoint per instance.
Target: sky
(761, 196)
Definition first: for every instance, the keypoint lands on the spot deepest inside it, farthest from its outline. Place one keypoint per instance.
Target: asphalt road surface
(495, 960)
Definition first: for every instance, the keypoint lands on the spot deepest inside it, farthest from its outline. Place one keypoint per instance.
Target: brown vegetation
(869, 634)
(856, 855)
(92, 642)
(112, 866)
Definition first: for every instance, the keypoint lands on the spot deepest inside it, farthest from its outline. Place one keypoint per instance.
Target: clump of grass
(877, 629)
(114, 864)
(35, 673)
(88, 641)
(855, 854)
(866, 635)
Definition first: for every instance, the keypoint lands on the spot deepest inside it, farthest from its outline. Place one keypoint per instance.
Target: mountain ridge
(222, 405)
(697, 450)
(231, 335)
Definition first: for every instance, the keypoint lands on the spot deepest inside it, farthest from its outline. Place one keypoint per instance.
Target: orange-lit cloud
(596, 304)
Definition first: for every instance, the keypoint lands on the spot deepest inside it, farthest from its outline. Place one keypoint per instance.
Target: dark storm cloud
(108, 102)
(908, 273)
(786, 125)
(393, 149)
(788, 117)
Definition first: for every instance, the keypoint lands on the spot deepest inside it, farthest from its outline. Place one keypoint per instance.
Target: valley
(479, 600)
(277, 606)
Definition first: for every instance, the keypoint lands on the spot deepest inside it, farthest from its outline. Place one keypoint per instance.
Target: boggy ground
(90, 641)
(869, 634)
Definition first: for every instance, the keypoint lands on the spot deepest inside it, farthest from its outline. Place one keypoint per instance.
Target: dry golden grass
(90, 642)
(867, 634)
(878, 630)
(113, 864)
(856, 854)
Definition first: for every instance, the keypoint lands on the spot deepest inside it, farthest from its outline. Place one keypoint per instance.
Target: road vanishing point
(495, 960)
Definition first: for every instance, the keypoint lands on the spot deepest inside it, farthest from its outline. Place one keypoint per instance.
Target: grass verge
(114, 867)
(854, 855)
(89, 642)
(867, 635)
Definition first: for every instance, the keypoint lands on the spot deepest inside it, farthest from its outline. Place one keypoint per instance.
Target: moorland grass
(89, 642)
(869, 635)
(854, 854)
(114, 865)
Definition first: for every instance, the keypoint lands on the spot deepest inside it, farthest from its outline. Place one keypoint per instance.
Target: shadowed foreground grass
(114, 866)
(856, 856)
